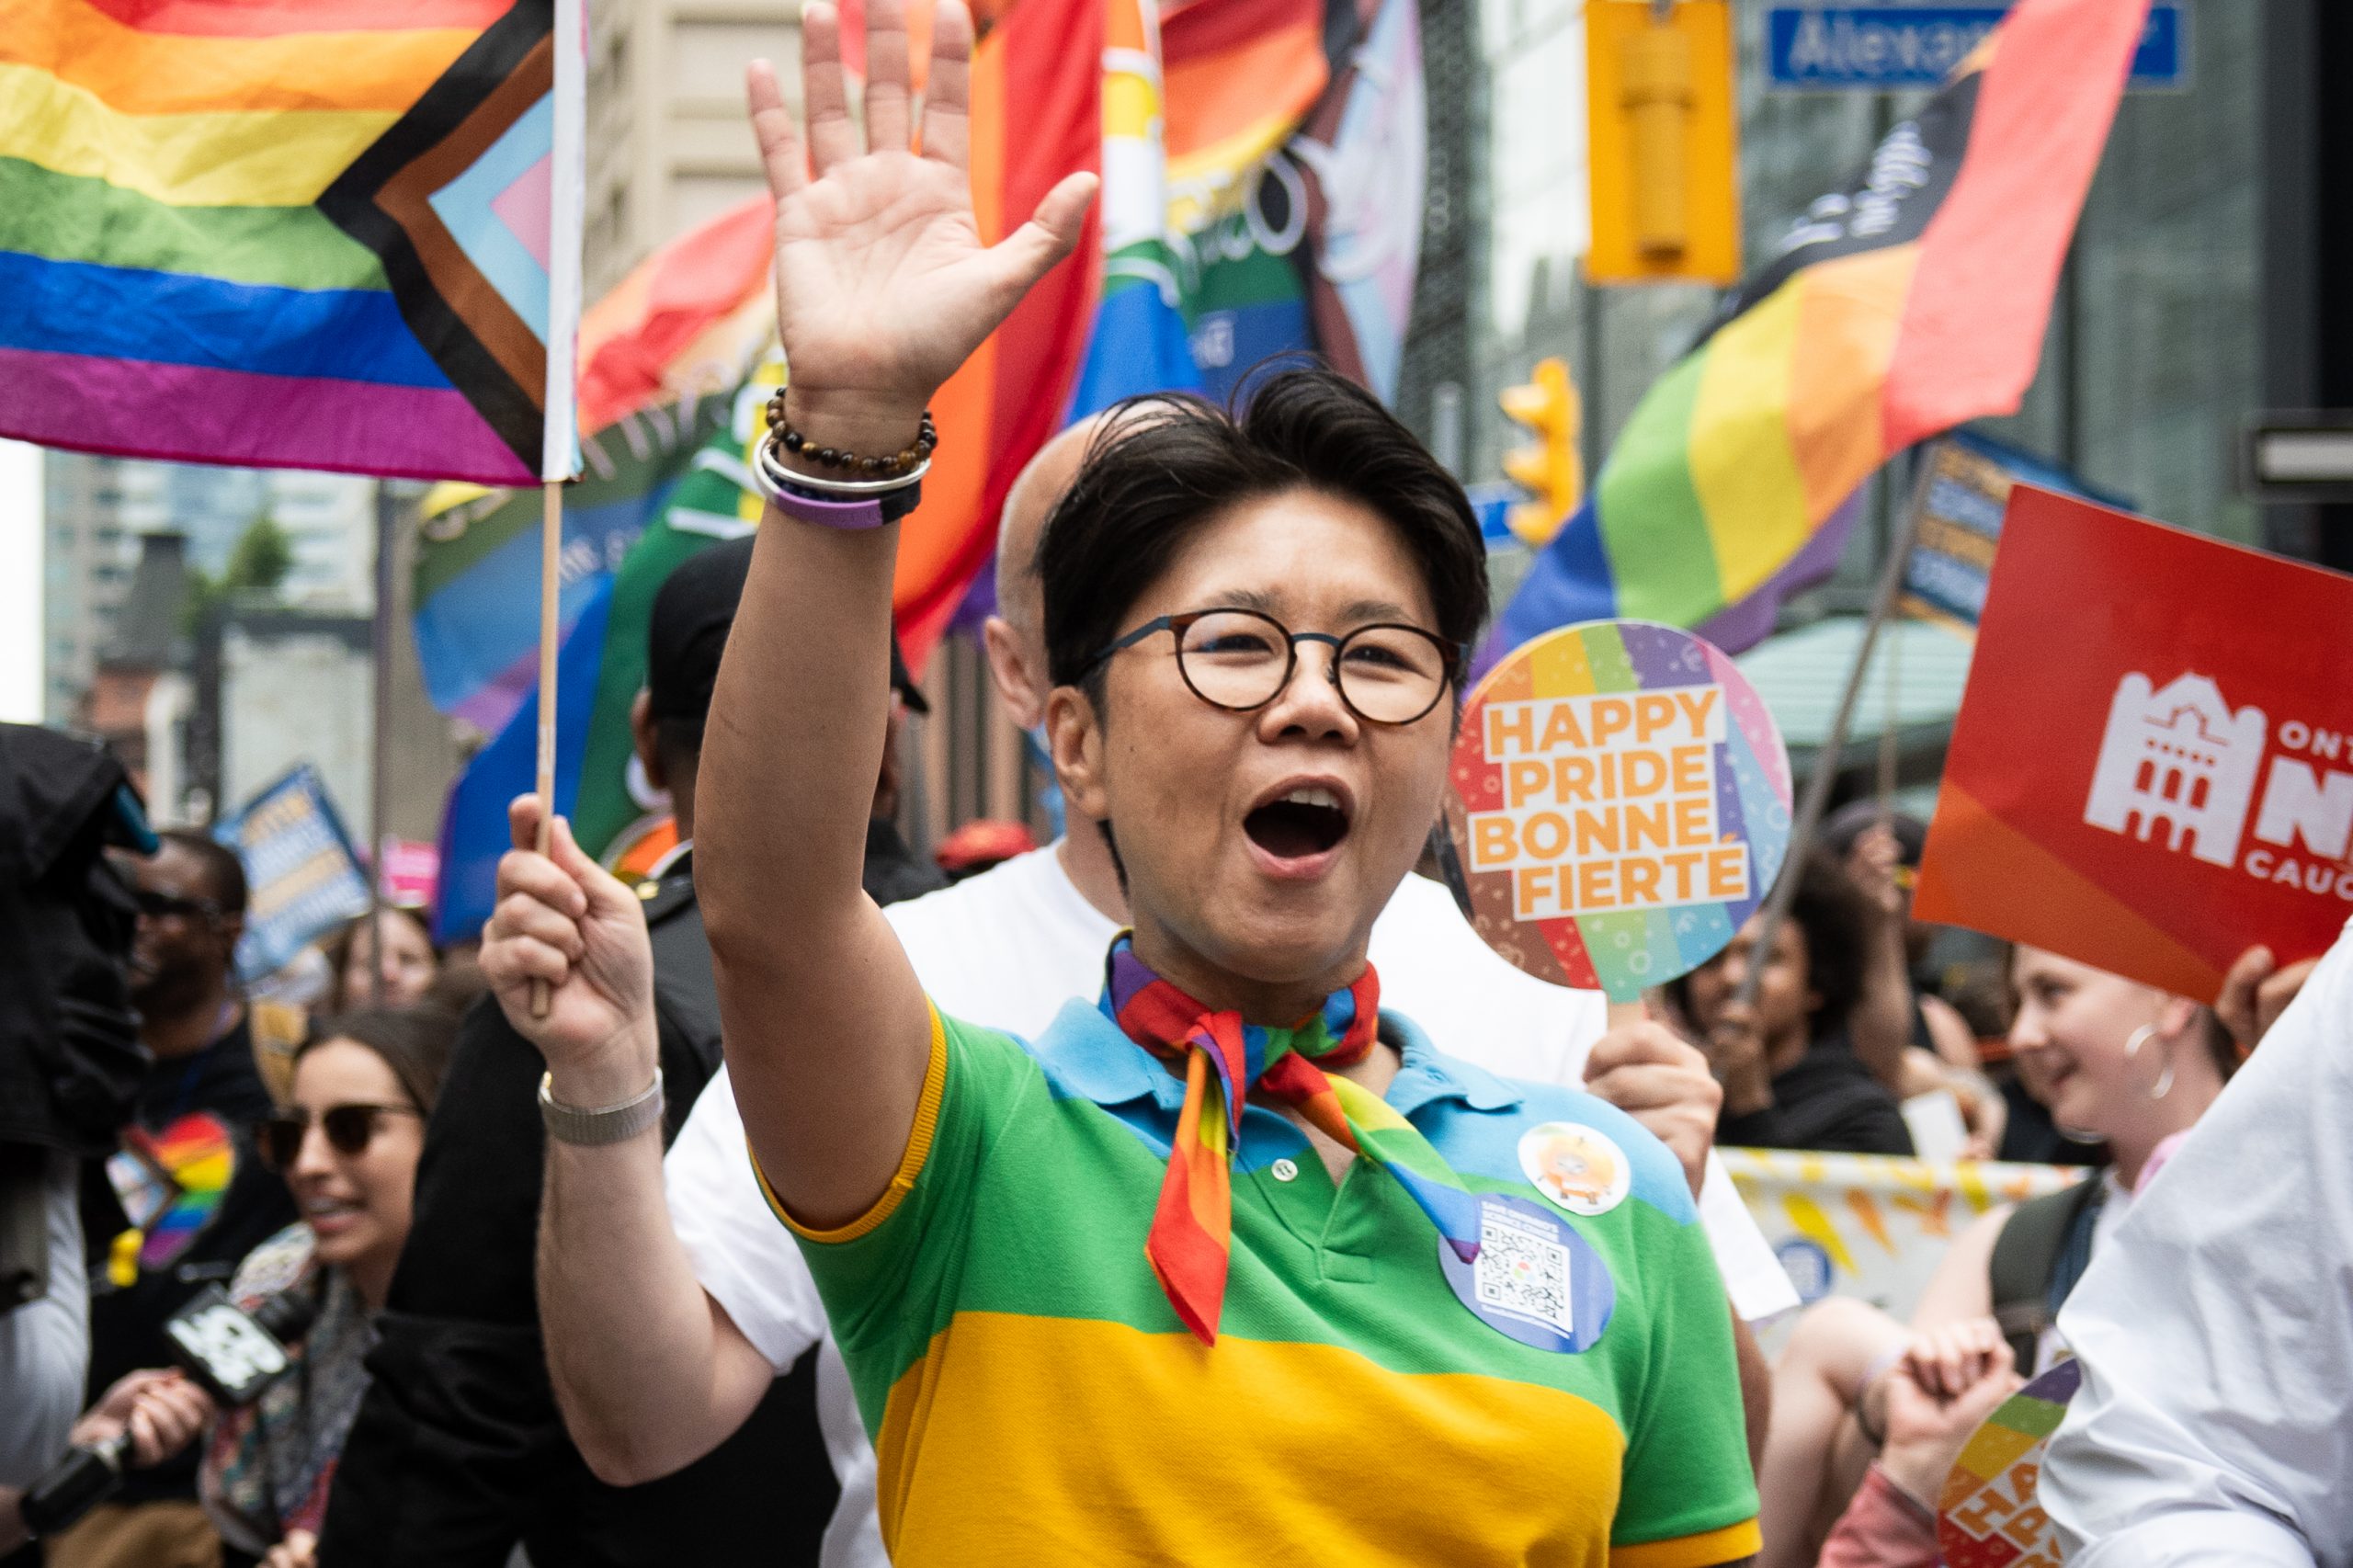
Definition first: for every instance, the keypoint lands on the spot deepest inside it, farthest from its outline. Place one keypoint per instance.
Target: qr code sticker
(1523, 1270)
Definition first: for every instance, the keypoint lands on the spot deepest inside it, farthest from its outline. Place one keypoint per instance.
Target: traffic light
(1662, 131)
(1549, 471)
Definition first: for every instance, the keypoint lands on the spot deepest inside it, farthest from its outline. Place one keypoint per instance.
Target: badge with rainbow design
(171, 1182)
(1619, 805)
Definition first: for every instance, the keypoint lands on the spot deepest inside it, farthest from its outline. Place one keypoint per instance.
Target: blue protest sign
(1962, 490)
(302, 877)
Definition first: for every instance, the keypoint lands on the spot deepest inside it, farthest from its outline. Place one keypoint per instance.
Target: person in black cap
(691, 615)
(458, 1452)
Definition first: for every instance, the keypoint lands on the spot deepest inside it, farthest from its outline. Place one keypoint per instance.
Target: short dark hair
(225, 873)
(414, 1042)
(1830, 909)
(1165, 466)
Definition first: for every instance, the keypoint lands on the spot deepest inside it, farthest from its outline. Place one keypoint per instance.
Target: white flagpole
(560, 450)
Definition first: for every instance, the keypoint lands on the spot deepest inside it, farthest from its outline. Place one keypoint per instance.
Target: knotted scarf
(1224, 1060)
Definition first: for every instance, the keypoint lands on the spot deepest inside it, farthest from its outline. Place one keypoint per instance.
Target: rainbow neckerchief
(1191, 1240)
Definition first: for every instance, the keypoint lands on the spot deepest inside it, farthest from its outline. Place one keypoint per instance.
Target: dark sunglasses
(153, 905)
(349, 1130)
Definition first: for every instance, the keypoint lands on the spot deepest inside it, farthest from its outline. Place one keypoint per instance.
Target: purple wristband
(803, 507)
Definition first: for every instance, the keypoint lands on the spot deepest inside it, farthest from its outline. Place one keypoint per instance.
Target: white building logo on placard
(2178, 767)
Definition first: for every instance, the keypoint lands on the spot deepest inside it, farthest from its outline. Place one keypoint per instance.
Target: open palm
(883, 285)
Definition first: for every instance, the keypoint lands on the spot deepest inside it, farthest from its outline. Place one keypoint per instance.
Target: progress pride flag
(2153, 765)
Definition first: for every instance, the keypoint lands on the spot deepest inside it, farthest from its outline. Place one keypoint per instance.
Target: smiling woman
(1141, 1289)
(347, 1145)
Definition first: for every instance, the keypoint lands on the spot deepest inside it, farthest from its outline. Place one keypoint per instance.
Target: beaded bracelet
(771, 478)
(901, 463)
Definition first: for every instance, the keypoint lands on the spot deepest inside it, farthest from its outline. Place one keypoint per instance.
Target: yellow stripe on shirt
(935, 1085)
(1728, 1544)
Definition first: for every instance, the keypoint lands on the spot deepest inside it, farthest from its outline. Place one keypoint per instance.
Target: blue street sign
(1885, 47)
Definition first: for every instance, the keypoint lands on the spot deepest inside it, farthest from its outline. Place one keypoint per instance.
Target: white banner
(1872, 1226)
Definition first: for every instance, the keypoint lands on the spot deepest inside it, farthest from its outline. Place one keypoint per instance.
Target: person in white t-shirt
(1008, 948)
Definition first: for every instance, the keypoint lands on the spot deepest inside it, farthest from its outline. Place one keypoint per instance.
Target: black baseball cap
(687, 632)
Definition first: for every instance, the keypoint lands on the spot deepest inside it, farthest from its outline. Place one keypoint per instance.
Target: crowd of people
(1196, 1188)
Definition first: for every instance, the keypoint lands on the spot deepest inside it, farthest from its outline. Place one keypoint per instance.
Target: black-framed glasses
(154, 905)
(349, 1130)
(1240, 660)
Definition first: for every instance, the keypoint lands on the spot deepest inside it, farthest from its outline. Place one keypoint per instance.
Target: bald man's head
(1027, 507)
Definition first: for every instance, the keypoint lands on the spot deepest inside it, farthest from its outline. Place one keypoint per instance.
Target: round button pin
(1284, 1170)
(1534, 1278)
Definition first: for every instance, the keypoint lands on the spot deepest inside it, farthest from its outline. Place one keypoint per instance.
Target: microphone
(232, 1354)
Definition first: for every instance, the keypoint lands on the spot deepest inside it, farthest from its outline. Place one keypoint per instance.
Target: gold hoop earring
(2132, 1045)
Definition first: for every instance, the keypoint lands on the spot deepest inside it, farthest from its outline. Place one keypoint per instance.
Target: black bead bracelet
(905, 460)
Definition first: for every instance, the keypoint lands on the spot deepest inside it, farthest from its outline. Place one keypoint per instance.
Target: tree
(261, 558)
(258, 565)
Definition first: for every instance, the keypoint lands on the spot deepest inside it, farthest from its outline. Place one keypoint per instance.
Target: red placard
(2153, 765)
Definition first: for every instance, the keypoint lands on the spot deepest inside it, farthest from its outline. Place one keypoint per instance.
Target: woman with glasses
(348, 1144)
(1228, 1266)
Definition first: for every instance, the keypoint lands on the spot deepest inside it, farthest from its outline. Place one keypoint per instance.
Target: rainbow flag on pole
(662, 358)
(1900, 306)
(298, 233)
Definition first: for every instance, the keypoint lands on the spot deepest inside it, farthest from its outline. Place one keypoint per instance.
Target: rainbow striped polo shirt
(1034, 1400)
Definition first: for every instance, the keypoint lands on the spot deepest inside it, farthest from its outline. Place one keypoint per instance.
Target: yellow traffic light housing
(1663, 134)
(1549, 471)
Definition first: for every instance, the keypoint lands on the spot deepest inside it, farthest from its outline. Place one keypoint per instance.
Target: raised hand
(1651, 1073)
(883, 287)
(565, 920)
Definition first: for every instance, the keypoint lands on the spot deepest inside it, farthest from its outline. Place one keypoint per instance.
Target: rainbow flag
(476, 624)
(1241, 75)
(687, 320)
(1036, 116)
(662, 358)
(1901, 305)
(331, 234)
(471, 821)
(1137, 343)
(1263, 180)
(684, 497)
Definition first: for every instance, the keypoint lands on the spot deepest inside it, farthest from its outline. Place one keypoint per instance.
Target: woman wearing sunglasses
(347, 1143)
(1227, 1266)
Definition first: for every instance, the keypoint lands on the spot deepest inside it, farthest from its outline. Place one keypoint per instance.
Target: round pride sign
(1621, 805)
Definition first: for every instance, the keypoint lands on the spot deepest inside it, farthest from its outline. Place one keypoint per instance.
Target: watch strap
(605, 1124)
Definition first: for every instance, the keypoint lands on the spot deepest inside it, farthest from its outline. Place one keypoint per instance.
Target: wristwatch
(605, 1124)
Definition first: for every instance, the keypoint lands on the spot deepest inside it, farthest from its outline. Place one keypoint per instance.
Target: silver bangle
(605, 1124)
(770, 475)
